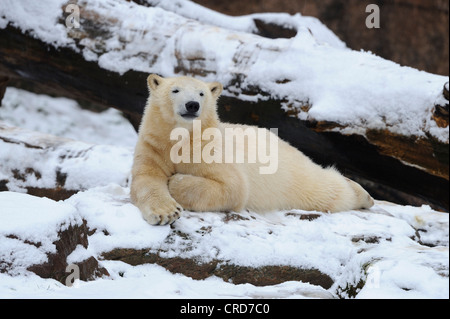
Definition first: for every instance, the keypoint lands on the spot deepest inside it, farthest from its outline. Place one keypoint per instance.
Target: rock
(44, 237)
(260, 276)
(272, 275)
(57, 264)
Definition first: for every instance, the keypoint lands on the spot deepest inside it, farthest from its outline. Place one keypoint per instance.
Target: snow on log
(380, 123)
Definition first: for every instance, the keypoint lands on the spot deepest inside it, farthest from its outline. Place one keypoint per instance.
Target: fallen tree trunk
(106, 61)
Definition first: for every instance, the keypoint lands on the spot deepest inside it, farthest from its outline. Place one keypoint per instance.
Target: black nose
(192, 106)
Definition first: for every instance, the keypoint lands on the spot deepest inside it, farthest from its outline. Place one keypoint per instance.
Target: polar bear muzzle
(192, 108)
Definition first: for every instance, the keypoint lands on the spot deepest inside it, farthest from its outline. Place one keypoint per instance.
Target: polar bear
(161, 187)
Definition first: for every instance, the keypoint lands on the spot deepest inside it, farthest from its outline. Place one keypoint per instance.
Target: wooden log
(440, 114)
(405, 169)
(36, 66)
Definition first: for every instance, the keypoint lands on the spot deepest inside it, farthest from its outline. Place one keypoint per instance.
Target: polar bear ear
(153, 81)
(216, 89)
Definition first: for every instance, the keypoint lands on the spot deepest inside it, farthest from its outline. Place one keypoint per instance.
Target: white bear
(161, 187)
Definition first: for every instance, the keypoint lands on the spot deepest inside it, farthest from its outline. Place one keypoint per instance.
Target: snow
(35, 218)
(33, 17)
(118, 218)
(396, 251)
(149, 281)
(246, 23)
(32, 219)
(16, 109)
(97, 147)
(83, 165)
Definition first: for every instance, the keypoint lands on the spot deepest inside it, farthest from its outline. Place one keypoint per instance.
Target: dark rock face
(56, 266)
(412, 32)
(262, 276)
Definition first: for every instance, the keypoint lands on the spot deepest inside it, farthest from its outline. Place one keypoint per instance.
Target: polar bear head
(183, 99)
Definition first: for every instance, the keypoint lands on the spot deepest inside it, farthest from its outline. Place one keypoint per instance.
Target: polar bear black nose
(192, 106)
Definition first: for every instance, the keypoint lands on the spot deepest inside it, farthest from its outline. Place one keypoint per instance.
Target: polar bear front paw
(163, 214)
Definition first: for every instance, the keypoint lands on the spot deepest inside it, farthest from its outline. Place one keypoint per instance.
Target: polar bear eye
(201, 94)
(175, 91)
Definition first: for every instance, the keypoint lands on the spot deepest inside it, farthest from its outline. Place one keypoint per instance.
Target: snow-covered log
(381, 124)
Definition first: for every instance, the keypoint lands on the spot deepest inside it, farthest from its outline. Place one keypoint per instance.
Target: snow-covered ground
(394, 251)
(64, 117)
